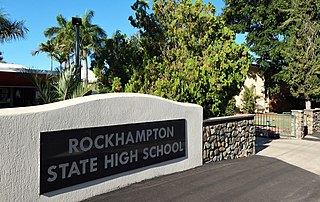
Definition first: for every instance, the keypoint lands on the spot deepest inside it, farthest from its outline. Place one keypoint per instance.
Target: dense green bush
(198, 60)
(249, 99)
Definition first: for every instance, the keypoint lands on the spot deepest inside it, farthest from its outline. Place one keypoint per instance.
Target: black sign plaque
(70, 157)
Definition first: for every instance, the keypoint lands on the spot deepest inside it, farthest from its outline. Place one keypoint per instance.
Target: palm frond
(66, 83)
(82, 89)
(11, 30)
(43, 83)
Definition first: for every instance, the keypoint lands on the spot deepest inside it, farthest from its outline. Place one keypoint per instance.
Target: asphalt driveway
(283, 170)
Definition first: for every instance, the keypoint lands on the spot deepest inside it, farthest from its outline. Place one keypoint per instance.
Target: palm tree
(91, 37)
(61, 57)
(47, 47)
(55, 51)
(11, 30)
(64, 34)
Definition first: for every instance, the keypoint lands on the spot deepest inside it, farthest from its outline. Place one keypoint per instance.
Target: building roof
(7, 67)
(16, 68)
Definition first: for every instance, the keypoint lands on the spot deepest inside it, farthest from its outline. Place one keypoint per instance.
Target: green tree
(261, 21)
(198, 62)
(249, 99)
(55, 51)
(91, 37)
(117, 58)
(11, 30)
(302, 49)
(63, 35)
(47, 47)
(151, 31)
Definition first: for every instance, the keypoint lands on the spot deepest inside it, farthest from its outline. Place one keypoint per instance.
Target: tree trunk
(51, 63)
(85, 66)
(60, 67)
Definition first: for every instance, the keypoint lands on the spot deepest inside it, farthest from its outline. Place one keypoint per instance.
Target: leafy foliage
(49, 48)
(62, 38)
(11, 30)
(195, 58)
(284, 35)
(249, 99)
(261, 21)
(61, 43)
(57, 87)
(302, 49)
(118, 57)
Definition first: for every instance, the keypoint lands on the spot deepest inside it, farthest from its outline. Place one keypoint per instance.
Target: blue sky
(111, 15)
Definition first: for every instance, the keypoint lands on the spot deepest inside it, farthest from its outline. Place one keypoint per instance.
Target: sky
(110, 15)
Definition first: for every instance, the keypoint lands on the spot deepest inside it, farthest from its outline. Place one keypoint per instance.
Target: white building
(262, 104)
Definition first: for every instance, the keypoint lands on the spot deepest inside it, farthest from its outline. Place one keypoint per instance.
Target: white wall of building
(254, 79)
(20, 141)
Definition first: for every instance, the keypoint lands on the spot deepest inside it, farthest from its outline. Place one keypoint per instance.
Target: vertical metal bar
(283, 121)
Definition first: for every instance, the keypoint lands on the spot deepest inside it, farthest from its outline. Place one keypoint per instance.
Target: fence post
(316, 120)
(298, 126)
(309, 122)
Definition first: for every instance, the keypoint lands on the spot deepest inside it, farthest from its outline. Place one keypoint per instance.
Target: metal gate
(275, 125)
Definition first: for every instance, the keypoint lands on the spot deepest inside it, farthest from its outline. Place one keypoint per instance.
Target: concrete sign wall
(76, 149)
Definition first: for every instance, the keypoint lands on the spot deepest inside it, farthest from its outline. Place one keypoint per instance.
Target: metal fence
(275, 125)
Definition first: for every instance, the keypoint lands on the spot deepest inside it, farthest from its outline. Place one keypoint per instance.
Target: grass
(279, 123)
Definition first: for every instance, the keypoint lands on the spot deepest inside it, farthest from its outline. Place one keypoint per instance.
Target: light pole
(77, 22)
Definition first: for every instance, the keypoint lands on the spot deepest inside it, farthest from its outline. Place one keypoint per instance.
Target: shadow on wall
(267, 132)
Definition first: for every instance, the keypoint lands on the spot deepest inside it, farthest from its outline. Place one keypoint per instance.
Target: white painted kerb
(20, 141)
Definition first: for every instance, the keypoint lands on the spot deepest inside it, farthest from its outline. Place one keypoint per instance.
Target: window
(4, 95)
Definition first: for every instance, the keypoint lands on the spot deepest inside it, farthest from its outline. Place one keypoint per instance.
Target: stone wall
(298, 124)
(312, 120)
(228, 138)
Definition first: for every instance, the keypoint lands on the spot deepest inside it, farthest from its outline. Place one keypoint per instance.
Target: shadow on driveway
(255, 178)
(262, 143)
(313, 137)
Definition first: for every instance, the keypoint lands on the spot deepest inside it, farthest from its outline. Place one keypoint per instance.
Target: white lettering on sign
(79, 155)
(67, 170)
(96, 141)
(123, 158)
(84, 144)
(117, 159)
(53, 175)
(141, 136)
(160, 150)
